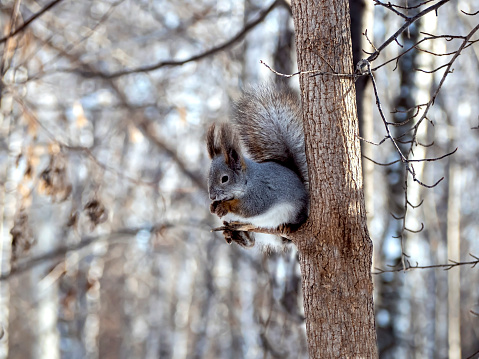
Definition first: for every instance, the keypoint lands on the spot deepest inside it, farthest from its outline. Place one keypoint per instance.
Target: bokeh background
(106, 249)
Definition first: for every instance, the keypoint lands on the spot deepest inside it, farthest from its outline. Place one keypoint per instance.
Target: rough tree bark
(334, 245)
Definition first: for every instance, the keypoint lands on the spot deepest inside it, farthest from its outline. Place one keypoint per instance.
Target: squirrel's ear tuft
(231, 149)
(213, 148)
(234, 160)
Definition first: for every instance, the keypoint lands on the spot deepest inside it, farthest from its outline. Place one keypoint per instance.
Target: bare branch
(239, 36)
(408, 7)
(370, 42)
(311, 72)
(397, 217)
(470, 14)
(416, 46)
(428, 186)
(373, 143)
(448, 69)
(446, 266)
(406, 24)
(30, 20)
(60, 252)
(473, 355)
(247, 227)
(392, 8)
(415, 206)
(434, 159)
(381, 164)
(415, 230)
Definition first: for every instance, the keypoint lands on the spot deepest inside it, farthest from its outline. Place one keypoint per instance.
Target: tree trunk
(334, 245)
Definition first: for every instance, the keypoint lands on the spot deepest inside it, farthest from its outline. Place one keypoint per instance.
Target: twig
(415, 46)
(247, 227)
(435, 158)
(470, 14)
(23, 266)
(381, 164)
(30, 20)
(446, 266)
(473, 355)
(248, 27)
(392, 8)
(373, 143)
(407, 7)
(406, 24)
(310, 72)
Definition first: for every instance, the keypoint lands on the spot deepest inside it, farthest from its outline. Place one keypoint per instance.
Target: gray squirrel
(258, 172)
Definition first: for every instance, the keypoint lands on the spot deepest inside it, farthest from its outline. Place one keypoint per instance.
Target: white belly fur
(272, 218)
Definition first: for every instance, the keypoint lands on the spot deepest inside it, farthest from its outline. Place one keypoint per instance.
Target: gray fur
(260, 187)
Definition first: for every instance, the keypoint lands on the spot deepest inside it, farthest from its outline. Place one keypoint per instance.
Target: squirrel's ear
(231, 148)
(210, 142)
(235, 160)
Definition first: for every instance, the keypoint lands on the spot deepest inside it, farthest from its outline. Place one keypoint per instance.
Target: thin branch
(446, 266)
(381, 164)
(470, 14)
(373, 143)
(434, 159)
(473, 355)
(71, 46)
(415, 206)
(415, 230)
(406, 24)
(392, 8)
(239, 36)
(246, 227)
(427, 145)
(381, 113)
(30, 20)
(415, 46)
(408, 7)
(30, 263)
(365, 33)
(309, 72)
(397, 217)
(448, 69)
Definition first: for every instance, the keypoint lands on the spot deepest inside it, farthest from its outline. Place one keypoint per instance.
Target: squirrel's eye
(224, 179)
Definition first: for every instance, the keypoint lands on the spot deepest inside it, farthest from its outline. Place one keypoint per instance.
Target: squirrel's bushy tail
(268, 120)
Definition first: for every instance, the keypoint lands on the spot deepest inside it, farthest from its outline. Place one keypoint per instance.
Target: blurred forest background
(106, 249)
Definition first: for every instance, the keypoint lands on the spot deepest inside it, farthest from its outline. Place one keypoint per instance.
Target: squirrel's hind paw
(244, 239)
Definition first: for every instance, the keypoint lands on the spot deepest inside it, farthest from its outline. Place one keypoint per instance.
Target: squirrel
(258, 172)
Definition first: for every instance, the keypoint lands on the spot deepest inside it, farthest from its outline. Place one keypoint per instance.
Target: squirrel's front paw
(218, 208)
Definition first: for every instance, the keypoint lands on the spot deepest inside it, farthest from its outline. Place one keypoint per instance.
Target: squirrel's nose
(212, 196)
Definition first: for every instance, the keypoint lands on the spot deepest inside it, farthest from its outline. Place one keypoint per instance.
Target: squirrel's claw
(228, 236)
(285, 229)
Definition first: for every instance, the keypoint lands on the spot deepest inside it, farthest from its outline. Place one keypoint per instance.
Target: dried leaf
(22, 235)
(54, 179)
(96, 211)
